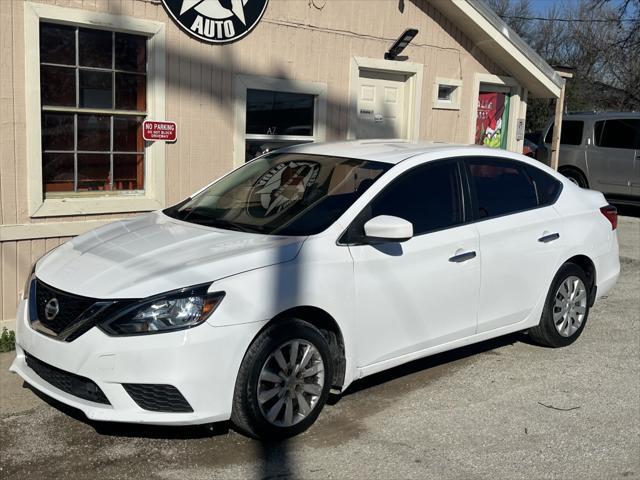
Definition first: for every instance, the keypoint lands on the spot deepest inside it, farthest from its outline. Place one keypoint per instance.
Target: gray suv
(600, 151)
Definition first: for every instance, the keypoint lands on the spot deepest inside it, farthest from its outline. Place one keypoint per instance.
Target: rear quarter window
(547, 188)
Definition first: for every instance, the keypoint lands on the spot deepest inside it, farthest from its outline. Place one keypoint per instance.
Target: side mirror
(385, 228)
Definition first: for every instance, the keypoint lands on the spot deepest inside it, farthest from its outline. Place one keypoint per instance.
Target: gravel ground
(500, 409)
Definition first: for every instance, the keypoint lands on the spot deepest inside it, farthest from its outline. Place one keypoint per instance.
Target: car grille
(70, 307)
(157, 398)
(70, 383)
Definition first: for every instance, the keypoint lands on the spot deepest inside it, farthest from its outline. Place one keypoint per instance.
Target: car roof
(599, 115)
(381, 150)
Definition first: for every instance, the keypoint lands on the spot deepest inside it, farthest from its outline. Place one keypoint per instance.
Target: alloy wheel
(290, 383)
(570, 306)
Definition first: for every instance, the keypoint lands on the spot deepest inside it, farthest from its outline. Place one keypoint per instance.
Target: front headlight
(177, 310)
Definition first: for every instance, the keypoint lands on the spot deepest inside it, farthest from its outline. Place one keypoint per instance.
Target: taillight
(611, 213)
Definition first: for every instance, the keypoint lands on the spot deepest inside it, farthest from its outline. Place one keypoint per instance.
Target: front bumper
(202, 363)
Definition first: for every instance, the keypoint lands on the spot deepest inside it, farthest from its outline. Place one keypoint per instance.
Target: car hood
(154, 253)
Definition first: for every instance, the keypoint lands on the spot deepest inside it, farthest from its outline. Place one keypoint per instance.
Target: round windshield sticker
(216, 21)
(281, 187)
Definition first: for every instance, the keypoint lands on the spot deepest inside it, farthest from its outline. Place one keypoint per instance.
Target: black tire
(576, 176)
(545, 333)
(246, 415)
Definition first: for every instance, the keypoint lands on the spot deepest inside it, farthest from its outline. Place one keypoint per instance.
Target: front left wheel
(283, 381)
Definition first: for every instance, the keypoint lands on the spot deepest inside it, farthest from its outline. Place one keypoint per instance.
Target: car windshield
(282, 194)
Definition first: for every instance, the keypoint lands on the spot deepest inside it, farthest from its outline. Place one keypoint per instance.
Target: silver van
(600, 151)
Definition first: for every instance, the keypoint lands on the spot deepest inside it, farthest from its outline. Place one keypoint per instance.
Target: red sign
(153, 131)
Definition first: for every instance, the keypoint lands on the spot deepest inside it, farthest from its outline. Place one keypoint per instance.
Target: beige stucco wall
(299, 40)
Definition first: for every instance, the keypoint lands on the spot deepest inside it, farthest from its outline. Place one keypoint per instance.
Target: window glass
(131, 92)
(57, 44)
(428, 196)
(127, 134)
(95, 48)
(279, 113)
(96, 89)
(57, 131)
(502, 187)
(58, 172)
(57, 86)
(547, 187)
(93, 172)
(282, 194)
(94, 133)
(624, 133)
(131, 52)
(445, 92)
(92, 150)
(128, 172)
(571, 133)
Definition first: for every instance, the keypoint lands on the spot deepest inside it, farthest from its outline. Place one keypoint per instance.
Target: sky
(539, 7)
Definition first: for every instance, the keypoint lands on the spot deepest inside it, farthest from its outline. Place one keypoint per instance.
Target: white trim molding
(34, 231)
(413, 97)
(245, 82)
(504, 84)
(454, 103)
(154, 194)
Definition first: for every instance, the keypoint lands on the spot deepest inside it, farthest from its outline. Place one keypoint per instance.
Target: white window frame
(246, 82)
(153, 196)
(454, 103)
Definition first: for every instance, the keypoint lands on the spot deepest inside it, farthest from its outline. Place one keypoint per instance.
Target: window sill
(57, 207)
(446, 106)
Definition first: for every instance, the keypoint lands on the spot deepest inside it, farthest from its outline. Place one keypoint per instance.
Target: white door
(422, 292)
(519, 242)
(381, 106)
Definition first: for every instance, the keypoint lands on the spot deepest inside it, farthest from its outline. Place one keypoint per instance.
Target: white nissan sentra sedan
(304, 270)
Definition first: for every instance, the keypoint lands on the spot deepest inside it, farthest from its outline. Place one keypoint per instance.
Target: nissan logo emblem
(51, 309)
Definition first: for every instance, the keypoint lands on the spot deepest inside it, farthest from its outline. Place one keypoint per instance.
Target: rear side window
(571, 133)
(502, 187)
(624, 133)
(547, 188)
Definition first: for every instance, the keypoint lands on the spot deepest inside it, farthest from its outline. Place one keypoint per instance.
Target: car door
(612, 156)
(519, 238)
(424, 291)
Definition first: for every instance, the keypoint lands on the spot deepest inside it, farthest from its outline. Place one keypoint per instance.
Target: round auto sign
(216, 21)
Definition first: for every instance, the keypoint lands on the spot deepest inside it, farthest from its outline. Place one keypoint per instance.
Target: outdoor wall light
(400, 44)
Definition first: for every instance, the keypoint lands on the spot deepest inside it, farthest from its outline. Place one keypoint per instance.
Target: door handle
(463, 257)
(549, 237)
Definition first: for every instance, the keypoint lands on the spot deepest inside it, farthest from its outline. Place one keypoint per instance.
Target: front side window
(428, 196)
(571, 133)
(93, 96)
(501, 187)
(277, 119)
(282, 194)
(624, 133)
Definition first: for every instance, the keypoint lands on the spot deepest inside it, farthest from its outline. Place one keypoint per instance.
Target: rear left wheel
(566, 308)
(283, 381)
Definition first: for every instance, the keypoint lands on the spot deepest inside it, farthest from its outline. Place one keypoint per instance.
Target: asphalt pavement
(499, 409)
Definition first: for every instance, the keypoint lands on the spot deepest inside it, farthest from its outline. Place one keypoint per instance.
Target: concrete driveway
(500, 409)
